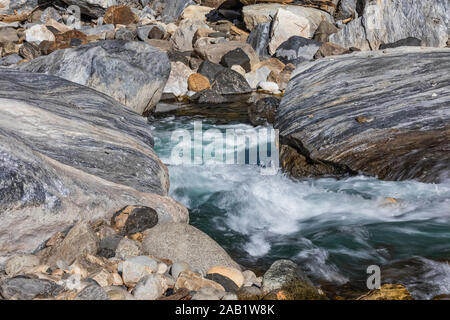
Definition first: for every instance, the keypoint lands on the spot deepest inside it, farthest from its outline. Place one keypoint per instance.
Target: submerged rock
(96, 156)
(397, 130)
(134, 73)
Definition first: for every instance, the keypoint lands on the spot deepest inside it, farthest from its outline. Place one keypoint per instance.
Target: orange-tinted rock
(198, 82)
(120, 15)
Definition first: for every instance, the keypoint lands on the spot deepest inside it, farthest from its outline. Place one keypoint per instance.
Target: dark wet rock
(183, 242)
(263, 111)
(134, 73)
(236, 57)
(208, 96)
(24, 288)
(230, 82)
(210, 69)
(225, 282)
(92, 292)
(390, 21)
(259, 39)
(96, 157)
(297, 49)
(403, 127)
(140, 220)
(408, 42)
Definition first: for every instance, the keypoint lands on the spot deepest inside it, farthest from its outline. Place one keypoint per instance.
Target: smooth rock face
(285, 25)
(134, 73)
(264, 12)
(182, 242)
(397, 130)
(297, 49)
(95, 157)
(388, 21)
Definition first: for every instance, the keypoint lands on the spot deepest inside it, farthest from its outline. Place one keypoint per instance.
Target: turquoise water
(334, 229)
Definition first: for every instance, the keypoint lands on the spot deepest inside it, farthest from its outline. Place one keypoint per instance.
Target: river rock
(56, 177)
(10, 60)
(134, 73)
(285, 25)
(233, 274)
(230, 82)
(150, 287)
(39, 33)
(324, 31)
(81, 239)
(182, 39)
(122, 15)
(23, 288)
(19, 263)
(198, 82)
(215, 52)
(250, 293)
(208, 293)
(256, 76)
(179, 267)
(210, 69)
(108, 245)
(125, 34)
(259, 39)
(236, 57)
(263, 111)
(405, 134)
(92, 292)
(194, 281)
(195, 12)
(8, 35)
(282, 272)
(118, 293)
(386, 22)
(178, 79)
(268, 87)
(182, 242)
(208, 96)
(133, 219)
(265, 12)
(21, 6)
(297, 49)
(134, 269)
(127, 248)
(173, 9)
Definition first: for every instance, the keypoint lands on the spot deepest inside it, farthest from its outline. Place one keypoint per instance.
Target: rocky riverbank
(84, 206)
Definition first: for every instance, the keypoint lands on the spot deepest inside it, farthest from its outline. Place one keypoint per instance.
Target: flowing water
(334, 229)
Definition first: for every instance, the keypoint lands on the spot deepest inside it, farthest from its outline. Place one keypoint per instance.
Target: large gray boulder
(181, 242)
(133, 73)
(385, 22)
(69, 153)
(385, 114)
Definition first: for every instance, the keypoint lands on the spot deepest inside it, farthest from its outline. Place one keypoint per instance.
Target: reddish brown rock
(120, 15)
(198, 82)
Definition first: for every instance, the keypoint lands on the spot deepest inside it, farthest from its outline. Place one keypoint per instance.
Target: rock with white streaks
(68, 153)
(134, 73)
(397, 130)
